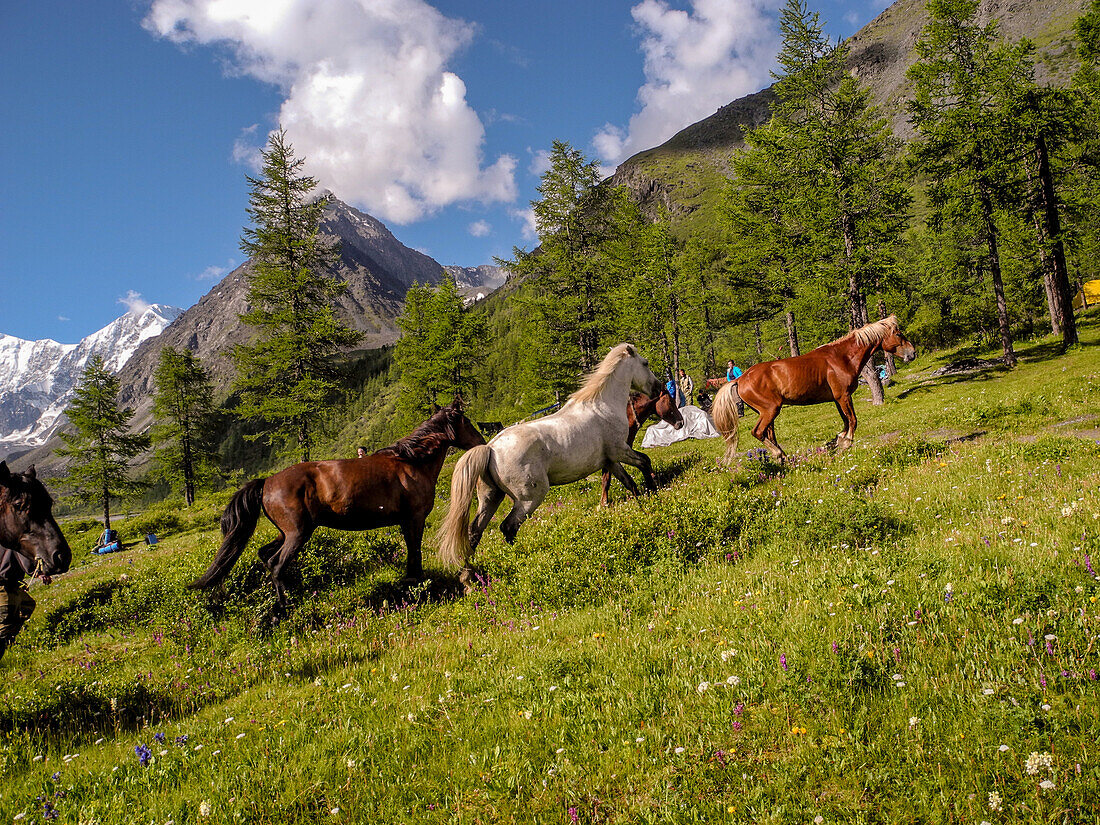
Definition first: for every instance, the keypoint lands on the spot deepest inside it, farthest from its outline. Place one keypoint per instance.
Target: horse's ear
(30, 473)
(457, 403)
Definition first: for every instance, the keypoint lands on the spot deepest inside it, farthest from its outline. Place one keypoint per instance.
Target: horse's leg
(627, 455)
(605, 495)
(532, 496)
(617, 470)
(295, 540)
(413, 532)
(268, 550)
(489, 497)
(848, 413)
(764, 431)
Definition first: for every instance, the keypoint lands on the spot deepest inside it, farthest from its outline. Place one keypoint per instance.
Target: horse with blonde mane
(828, 373)
(587, 434)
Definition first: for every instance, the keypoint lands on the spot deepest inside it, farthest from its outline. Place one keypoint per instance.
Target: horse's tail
(238, 525)
(454, 534)
(724, 412)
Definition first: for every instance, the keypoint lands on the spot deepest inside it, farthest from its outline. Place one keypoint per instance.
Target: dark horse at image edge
(27, 525)
(394, 486)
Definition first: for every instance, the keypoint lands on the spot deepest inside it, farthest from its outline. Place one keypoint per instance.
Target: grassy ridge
(884, 636)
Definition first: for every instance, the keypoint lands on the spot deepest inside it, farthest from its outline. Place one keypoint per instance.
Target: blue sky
(129, 126)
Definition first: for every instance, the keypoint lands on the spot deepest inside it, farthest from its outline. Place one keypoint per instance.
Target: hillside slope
(685, 174)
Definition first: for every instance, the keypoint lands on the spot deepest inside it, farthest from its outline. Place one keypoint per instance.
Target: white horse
(524, 461)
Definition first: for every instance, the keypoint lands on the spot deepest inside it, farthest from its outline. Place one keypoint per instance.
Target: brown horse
(828, 373)
(638, 411)
(27, 525)
(394, 486)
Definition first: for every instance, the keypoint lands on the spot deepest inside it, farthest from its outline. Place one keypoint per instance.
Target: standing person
(670, 385)
(360, 452)
(687, 387)
(16, 604)
(733, 372)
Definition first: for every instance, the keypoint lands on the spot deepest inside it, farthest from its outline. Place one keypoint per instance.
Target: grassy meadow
(903, 633)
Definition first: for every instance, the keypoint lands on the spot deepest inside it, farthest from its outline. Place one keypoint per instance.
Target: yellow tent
(1091, 291)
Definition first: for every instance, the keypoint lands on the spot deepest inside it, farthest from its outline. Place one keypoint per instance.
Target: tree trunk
(1063, 298)
(759, 342)
(857, 306)
(1084, 297)
(891, 367)
(792, 335)
(995, 275)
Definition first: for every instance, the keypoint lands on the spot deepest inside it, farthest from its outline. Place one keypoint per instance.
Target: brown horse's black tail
(238, 525)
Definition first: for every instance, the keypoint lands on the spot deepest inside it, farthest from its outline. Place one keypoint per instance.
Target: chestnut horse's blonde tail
(454, 534)
(724, 413)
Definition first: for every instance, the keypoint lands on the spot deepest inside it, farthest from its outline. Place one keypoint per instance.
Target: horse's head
(460, 430)
(27, 524)
(897, 344)
(667, 410)
(642, 378)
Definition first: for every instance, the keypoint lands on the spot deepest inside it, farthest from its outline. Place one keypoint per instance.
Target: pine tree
(184, 408)
(575, 218)
(441, 349)
(102, 446)
(287, 374)
(965, 83)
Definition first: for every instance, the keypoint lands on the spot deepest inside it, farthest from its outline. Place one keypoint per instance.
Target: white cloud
(851, 18)
(214, 272)
(527, 218)
(134, 303)
(479, 229)
(63, 318)
(540, 162)
(369, 100)
(696, 60)
(247, 147)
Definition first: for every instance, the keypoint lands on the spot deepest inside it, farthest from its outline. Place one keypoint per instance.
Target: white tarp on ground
(697, 424)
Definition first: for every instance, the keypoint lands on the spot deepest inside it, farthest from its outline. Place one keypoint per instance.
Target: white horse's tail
(724, 413)
(454, 534)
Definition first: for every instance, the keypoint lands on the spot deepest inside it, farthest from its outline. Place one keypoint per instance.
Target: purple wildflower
(836, 647)
(783, 660)
(1092, 674)
(737, 711)
(737, 724)
(159, 737)
(573, 815)
(1088, 565)
(143, 754)
(181, 740)
(56, 776)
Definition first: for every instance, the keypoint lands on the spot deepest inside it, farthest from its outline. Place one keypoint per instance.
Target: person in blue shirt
(671, 387)
(733, 372)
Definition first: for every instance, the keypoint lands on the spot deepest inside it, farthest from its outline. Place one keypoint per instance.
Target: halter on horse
(828, 373)
(589, 433)
(641, 408)
(394, 486)
(27, 525)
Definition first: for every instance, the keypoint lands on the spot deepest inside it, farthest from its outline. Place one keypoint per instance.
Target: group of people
(683, 390)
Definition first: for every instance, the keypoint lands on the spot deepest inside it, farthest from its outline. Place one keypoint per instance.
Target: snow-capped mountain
(37, 378)
(477, 282)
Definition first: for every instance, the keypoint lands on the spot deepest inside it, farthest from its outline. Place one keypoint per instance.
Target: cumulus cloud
(695, 61)
(528, 227)
(134, 303)
(540, 162)
(214, 272)
(369, 100)
(479, 229)
(63, 318)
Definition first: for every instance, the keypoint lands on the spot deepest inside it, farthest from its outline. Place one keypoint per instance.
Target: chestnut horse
(27, 525)
(638, 411)
(828, 373)
(394, 486)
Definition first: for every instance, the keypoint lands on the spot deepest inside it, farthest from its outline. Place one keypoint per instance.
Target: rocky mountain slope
(477, 282)
(685, 175)
(37, 378)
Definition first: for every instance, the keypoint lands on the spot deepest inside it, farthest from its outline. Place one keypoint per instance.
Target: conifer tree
(183, 405)
(286, 375)
(575, 217)
(442, 345)
(965, 83)
(102, 446)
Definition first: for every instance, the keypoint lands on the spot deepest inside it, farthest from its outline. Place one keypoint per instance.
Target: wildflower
(783, 660)
(733, 681)
(335, 812)
(143, 754)
(1018, 620)
(994, 801)
(819, 819)
(56, 776)
(679, 750)
(913, 721)
(987, 691)
(727, 654)
(1035, 761)
(1003, 748)
(573, 815)
(240, 736)
(159, 737)
(181, 740)
(640, 739)
(703, 686)
(1046, 785)
(100, 740)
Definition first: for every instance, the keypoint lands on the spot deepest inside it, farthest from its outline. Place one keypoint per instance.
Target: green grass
(882, 636)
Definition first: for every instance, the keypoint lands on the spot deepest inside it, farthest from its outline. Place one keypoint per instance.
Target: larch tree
(183, 405)
(286, 375)
(102, 446)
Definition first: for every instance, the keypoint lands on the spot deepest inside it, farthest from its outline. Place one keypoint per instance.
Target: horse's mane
(596, 381)
(872, 333)
(426, 440)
